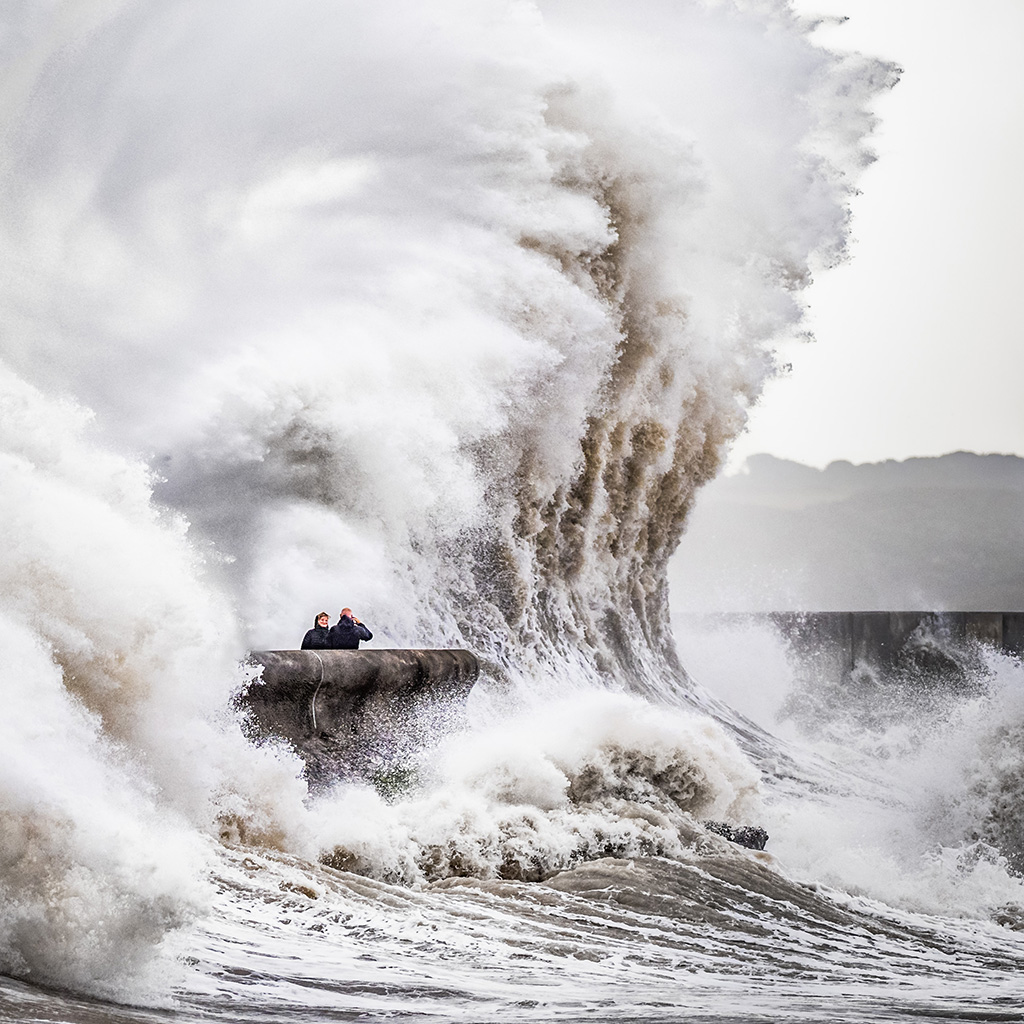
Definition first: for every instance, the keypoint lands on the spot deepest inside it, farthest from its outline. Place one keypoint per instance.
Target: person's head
(323, 619)
(346, 613)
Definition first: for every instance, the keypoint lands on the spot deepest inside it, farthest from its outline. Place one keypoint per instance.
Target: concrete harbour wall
(879, 637)
(354, 711)
(926, 646)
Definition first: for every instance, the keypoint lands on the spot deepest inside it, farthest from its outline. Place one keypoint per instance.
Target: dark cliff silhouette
(935, 534)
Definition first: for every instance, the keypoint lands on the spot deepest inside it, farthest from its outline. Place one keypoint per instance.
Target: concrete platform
(344, 712)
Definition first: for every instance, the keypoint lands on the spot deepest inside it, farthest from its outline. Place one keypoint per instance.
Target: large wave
(442, 311)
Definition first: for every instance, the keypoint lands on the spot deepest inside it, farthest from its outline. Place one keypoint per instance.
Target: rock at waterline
(753, 837)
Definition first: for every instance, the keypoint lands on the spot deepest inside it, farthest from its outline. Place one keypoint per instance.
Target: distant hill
(940, 534)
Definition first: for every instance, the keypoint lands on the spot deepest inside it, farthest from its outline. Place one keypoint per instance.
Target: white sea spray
(443, 312)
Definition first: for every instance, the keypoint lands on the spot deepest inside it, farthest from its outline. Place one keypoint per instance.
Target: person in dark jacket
(346, 633)
(316, 638)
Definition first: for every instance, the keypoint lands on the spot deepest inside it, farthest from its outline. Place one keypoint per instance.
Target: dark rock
(753, 837)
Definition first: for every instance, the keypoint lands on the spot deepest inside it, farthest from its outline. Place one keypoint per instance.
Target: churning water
(443, 311)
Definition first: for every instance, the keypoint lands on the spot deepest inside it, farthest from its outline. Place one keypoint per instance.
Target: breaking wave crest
(444, 312)
(609, 777)
(459, 319)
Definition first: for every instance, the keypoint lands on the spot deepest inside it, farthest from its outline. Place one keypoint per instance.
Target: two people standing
(344, 635)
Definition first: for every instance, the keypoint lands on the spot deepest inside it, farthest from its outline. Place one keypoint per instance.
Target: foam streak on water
(443, 312)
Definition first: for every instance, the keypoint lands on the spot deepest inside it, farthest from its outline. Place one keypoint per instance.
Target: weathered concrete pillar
(1013, 632)
(986, 627)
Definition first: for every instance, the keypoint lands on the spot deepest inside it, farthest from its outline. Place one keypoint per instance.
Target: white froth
(442, 312)
(117, 662)
(510, 270)
(564, 782)
(917, 804)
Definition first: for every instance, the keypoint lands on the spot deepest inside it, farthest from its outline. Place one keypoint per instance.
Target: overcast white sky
(919, 338)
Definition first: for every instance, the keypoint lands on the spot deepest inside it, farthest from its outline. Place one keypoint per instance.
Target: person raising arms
(346, 633)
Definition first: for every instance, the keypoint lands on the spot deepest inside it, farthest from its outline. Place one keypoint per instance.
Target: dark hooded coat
(316, 638)
(346, 633)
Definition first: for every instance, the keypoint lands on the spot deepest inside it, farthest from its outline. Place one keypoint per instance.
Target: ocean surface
(444, 312)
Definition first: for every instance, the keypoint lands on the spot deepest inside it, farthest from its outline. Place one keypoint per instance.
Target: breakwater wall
(904, 643)
(355, 712)
(879, 637)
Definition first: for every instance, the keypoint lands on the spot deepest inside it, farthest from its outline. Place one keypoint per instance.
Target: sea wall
(880, 637)
(355, 712)
(927, 645)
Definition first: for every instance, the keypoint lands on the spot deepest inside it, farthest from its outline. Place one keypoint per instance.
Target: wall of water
(442, 312)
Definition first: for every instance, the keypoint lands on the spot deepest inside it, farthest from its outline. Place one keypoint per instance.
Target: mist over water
(461, 300)
(443, 312)
(914, 794)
